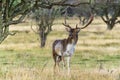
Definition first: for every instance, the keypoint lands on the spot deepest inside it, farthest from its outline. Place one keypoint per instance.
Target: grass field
(97, 55)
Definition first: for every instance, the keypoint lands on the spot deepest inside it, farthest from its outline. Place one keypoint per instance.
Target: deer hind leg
(63, 62)
(57, 60)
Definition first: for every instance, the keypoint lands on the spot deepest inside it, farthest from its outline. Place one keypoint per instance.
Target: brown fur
(61, 50)
(72, 38)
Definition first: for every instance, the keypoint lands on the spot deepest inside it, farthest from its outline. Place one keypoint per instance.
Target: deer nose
(70, 35)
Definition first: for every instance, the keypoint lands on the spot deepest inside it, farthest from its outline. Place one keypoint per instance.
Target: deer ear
(67, 29)
(78, 30)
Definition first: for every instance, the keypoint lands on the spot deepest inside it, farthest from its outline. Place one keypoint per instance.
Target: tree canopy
(14, 11)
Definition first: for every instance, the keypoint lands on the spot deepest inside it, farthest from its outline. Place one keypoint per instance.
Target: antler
(91, 19)
(66, 25)
(77, 26)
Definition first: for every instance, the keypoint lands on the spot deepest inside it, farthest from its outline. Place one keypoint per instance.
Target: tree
(13, 12)
(109, 11)
(111, 16)
(44, 19)
(83, 12)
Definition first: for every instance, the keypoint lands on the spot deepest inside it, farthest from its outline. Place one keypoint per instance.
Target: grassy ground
(97, 55)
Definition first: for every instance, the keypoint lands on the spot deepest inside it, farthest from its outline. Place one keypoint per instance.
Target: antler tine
(91, 19)
(77, 26)
(66, 25)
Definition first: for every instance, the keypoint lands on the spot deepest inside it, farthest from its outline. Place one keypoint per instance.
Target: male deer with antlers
(66, 47)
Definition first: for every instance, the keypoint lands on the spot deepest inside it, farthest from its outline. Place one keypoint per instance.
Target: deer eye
(70, 34)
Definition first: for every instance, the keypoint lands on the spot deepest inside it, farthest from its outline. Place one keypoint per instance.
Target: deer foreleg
(68, 64)
(63, 62)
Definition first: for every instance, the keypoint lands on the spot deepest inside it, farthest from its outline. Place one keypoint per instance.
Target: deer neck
(69, 41)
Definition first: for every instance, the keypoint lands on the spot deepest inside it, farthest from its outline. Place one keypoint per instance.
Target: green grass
(21, 58)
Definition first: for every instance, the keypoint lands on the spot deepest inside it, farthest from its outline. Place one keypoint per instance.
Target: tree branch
(11, 4)
(18, 9)
(60, 3)
(104, 19)
(67, 4)
(117, 22)
(18, 20)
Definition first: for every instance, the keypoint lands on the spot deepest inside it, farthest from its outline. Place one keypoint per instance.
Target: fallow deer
(66, 47)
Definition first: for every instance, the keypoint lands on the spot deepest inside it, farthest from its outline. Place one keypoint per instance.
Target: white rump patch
(58, 48)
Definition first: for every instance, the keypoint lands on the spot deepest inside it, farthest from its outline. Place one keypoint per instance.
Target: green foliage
(20, 56)
(44, 19)
(13, 12)
(109, 12)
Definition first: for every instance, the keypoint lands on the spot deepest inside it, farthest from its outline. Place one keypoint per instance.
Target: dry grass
(23, 73)
(96, 56)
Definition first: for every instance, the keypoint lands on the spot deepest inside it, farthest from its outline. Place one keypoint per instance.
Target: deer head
(73, 32)
(65, 47)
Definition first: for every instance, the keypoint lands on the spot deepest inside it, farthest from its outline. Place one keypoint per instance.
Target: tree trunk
(42, 38)
(4, 30)
(111, 23)
(110, 26)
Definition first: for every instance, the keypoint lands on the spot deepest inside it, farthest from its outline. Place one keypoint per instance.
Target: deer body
(66, 47)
